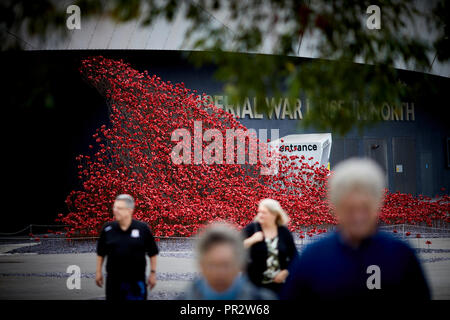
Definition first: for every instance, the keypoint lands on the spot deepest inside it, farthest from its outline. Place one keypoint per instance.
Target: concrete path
(4, 248)
(43, 276)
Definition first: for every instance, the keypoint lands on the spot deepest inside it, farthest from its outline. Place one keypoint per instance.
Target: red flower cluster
(132, 155)
(400, 208)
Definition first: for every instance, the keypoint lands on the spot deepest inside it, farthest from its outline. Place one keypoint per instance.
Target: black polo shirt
(125, 250)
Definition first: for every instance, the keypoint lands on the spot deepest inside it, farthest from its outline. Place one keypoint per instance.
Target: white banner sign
(316, 145)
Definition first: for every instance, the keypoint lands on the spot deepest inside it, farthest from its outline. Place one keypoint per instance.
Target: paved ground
(43, 276)
(13, 246)
(28, 276)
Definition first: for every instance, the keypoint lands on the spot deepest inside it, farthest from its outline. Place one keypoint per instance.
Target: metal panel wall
(426, 174)
(337, 152)
(404, 162)
(351, 148)
(376, 149)
(343, 149)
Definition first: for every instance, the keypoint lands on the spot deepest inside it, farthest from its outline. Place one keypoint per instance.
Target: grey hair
(128, 200)
(221, 233)
(362, 173)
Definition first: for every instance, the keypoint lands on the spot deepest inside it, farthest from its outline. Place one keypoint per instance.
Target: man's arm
(101, 253)
(152, 276)
(152, 251)
(98, 273)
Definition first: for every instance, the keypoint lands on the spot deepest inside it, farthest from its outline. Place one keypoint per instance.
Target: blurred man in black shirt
(125, 242)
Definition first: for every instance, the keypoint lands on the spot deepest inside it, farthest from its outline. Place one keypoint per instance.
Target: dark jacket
(258, 252)
(330, 269)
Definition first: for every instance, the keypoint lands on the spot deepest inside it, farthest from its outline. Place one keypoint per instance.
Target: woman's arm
(281, 276)
(255, 238)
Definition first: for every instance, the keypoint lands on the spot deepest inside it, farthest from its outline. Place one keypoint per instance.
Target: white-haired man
(125, 242)
(357, 260)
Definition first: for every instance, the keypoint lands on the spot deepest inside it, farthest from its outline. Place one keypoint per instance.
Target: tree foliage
(339, 33)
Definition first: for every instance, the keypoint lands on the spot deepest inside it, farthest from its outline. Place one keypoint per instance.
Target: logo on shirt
(135, 233)
(108, 228)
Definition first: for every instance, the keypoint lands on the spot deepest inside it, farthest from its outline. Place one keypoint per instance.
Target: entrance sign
(316, 145)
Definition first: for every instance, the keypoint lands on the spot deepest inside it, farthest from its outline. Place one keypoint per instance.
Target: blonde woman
(271, 246)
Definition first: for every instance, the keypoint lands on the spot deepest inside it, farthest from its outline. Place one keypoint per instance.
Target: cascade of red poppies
(133, 155)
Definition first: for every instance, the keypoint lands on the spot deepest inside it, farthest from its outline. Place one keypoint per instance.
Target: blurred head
(271, 213)
(123, 207)
(221, 255)
(356, 190)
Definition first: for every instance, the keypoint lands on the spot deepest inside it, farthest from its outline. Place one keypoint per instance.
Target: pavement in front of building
(44, 276)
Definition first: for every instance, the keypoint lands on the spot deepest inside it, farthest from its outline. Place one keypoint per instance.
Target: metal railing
(401, 231)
